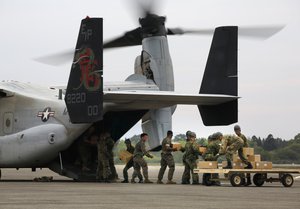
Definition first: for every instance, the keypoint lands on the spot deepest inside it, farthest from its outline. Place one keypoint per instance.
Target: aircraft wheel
(206, 179)
(258, 179)
(287, 180)
(237, 180)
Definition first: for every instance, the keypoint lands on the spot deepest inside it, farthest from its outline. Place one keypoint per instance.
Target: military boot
(229, 165)
(249, 166)
(159, 182)
(147, 181)
(124, 181)
(171, 182)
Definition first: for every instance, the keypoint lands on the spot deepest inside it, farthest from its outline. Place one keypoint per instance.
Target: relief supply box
(125, 156)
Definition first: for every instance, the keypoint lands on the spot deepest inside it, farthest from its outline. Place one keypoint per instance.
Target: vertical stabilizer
(220, 77)
(84, 95)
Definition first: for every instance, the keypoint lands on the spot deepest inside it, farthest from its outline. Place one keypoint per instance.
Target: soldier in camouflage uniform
(110, 146)
(103, 168)
(129, 164)
(237, 130)
(212, 154)
(231, 144)
(138, 160)
(191, 155)
(167, 159)
(186, 173)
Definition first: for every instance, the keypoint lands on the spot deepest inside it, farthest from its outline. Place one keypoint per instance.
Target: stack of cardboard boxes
(237, 162)
(255, 160)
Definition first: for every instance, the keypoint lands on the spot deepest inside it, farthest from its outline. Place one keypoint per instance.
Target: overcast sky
(269, 70)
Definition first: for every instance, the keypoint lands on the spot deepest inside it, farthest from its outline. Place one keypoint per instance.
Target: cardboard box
(254, 158)
(202, 150)
(207, 164)
(248, 151)
(235, 158)
(177, 146)
(125, 156)
(263, 165)
(236, 165)
(224, 164)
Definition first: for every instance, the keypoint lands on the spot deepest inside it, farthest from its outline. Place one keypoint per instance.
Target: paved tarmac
(17, 190)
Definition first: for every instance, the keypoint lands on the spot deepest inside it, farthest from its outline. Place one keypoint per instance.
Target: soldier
(191, 155)
(231, 144)
(138, 160)
(186, 173)
(110, 145)
(103, 168)
(212, 154)
(129, 164)
(237, 130)
(167, 159)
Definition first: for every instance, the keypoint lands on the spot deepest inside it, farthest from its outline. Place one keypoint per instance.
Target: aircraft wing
(134, 100)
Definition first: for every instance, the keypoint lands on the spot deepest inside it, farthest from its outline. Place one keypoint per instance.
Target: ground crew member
(103, 169)
(191, 155)
(212, 154)
(167, 159)
(231, 144)
(138, 160)
(186, 173)
(110, 146)
(237, 130)
(129, 164)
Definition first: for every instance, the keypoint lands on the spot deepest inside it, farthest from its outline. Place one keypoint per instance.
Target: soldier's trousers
(190, 165)
(186, 173)
(103, 168)
(166, 160)
(127, 167)
(237, 146)
(138, 163)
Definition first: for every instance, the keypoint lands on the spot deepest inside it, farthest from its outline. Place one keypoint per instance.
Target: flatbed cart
(237, 176)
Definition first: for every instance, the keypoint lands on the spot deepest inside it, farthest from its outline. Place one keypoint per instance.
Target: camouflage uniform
(139, 162)
(191, 156)
(103, 168)
(129, 164)
(231, 144)
(110, 145)
(211, 154)
(166, 159)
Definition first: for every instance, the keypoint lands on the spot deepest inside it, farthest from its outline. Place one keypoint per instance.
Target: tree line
(276, 150)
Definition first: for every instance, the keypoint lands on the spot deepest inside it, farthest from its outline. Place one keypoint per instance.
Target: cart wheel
(258, 179)
(287, 180)
(206, 179)
(237, 180)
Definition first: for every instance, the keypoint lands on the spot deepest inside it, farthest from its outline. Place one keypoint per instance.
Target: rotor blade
(57, 58)
(259, 32)
(130, 38)
(180, 31)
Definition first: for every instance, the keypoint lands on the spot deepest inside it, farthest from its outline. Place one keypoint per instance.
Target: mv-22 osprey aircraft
(41, 127)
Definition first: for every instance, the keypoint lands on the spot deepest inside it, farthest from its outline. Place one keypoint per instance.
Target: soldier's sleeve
(143, 147)
(245, 141)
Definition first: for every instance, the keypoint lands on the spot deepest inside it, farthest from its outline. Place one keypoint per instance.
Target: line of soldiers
(218, 145)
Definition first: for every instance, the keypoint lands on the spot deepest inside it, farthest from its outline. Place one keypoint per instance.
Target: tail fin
(220, 77)
(84, 95)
